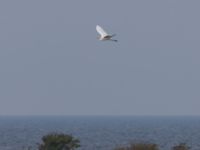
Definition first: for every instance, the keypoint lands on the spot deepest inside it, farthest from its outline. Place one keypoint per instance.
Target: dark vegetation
(56, 141)
(151, 146)
(139, 146)
(181, 146)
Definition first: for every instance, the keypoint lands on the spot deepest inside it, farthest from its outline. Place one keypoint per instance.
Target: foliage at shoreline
(56, 141)
(139, 146)
(181, 146)
(151, 146)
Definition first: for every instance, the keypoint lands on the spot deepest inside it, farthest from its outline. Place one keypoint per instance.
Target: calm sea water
(101, 133)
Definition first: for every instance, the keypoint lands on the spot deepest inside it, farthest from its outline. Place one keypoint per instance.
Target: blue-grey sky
(51, 62)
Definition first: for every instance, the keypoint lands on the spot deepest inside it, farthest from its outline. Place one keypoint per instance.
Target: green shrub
(55, 141)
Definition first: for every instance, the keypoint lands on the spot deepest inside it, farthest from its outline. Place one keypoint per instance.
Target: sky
(51, 62)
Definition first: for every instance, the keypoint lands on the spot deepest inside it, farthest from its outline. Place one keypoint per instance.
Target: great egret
(103, 35)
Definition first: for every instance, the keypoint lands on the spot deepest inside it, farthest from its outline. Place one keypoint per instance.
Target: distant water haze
(101, 133)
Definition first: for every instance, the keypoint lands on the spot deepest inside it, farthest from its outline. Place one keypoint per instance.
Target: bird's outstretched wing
(101, 31)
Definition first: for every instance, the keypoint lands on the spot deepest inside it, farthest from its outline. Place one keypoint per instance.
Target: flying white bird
(104, 35)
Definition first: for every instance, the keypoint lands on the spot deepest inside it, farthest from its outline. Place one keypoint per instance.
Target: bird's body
(104, 36)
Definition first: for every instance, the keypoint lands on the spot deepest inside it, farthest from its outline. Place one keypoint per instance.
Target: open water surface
(100, 132)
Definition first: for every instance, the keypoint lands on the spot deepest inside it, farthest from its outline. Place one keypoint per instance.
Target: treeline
(60, 141)
(150, 146)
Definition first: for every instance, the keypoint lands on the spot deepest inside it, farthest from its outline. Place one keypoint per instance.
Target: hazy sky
(51, 62)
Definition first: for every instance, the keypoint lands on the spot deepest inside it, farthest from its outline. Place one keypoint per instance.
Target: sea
(101, 132)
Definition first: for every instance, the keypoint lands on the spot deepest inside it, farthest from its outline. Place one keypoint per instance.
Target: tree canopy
(56, 141)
